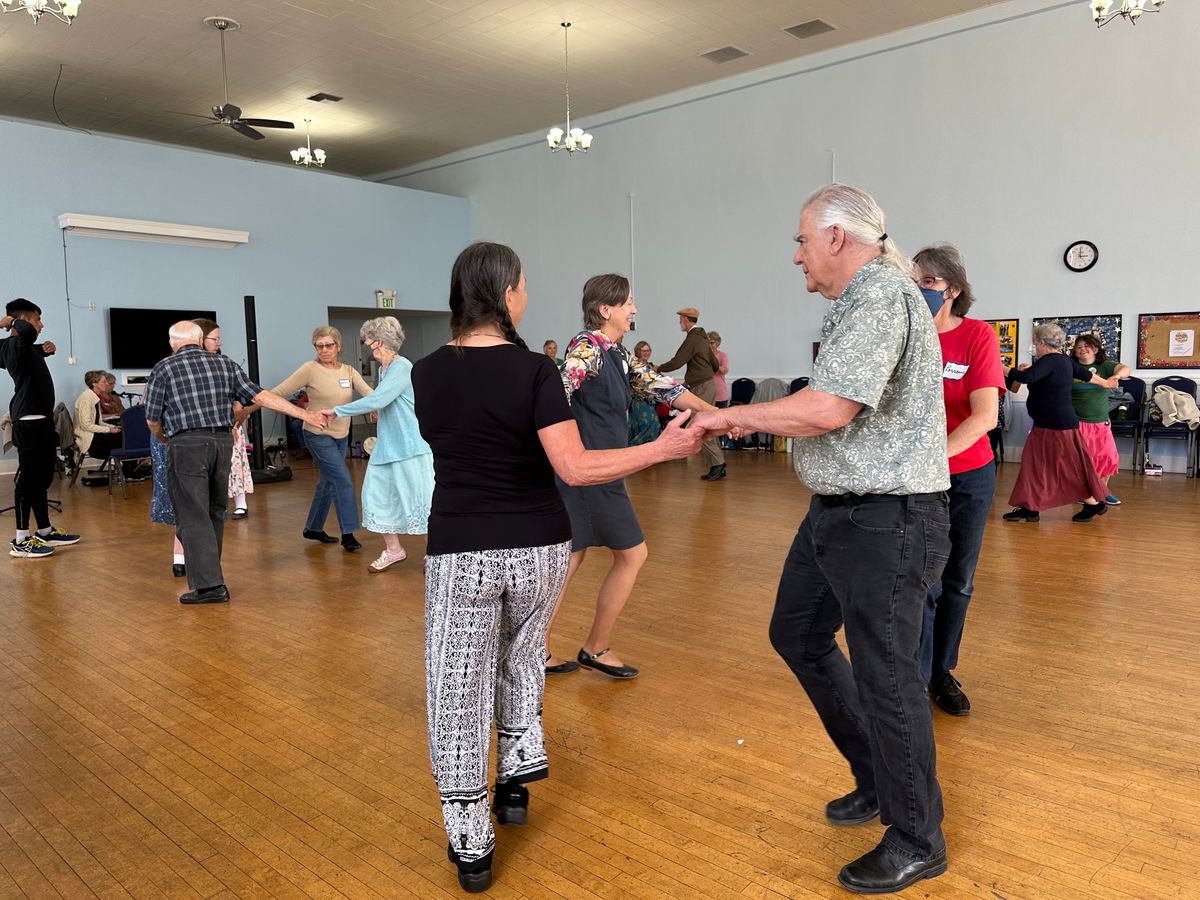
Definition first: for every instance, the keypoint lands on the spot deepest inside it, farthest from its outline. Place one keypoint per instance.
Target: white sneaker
(33, 547)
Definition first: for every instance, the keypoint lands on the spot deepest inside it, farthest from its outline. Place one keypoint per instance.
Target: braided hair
(481, 275)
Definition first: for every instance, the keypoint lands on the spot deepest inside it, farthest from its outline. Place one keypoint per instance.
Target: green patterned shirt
(880, 349)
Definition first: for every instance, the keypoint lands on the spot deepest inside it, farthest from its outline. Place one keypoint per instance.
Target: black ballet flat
(590, 661)
(510, 803)
(562, 668)
(473, 877)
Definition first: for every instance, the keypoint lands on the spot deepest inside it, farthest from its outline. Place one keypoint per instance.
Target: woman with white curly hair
(398, 486)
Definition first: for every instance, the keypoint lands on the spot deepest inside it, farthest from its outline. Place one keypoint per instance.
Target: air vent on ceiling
(318, 98)
(724, 54)
(809, 29)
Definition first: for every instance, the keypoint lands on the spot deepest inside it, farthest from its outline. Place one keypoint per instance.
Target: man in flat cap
(697, 354)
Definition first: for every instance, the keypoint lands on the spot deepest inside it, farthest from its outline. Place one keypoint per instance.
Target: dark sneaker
(1112, 500)
(947, 694)
(59, 538)
(1021, 514)
(1089, 512)
(33, 547)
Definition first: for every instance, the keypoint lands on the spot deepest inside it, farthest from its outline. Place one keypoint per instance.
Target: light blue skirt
(396, 496)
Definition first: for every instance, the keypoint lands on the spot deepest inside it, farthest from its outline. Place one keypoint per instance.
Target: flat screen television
(137, 338)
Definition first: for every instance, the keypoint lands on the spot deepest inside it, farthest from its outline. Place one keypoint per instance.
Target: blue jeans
(333, 484)
(946, 605)
(297, 427)
(876, 711)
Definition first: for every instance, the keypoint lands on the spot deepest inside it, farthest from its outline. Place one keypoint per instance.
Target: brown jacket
(696, 353)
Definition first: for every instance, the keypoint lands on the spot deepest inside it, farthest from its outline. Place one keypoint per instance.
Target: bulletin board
(1007, 335)
(1169, 340)
(1107, 328)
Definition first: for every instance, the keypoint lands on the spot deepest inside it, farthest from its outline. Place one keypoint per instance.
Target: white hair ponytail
(860, 217)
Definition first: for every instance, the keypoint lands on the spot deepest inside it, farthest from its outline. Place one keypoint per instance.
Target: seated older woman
(98, 415)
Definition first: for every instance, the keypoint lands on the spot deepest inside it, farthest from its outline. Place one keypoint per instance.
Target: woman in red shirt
(972, 381)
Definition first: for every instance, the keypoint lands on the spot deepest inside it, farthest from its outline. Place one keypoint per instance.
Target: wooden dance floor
(276, 746)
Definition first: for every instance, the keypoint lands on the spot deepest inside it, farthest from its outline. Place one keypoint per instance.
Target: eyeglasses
(929, 282)
(326, 346)
(214, 340)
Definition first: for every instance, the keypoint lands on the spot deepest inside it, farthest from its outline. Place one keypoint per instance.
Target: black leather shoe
(179, 570)
(562, 668)
(473, 877)
(883, 871)
(714, 473)
(510, 803)
(218, 594)
(350, 543)
(591, 661)
(947, 694)
(319, 536)
(855, 808)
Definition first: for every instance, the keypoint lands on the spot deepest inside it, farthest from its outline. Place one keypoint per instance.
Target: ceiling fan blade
(268, 123)
(201, 127)
(243, 128)
(230, 111)
(175, 112)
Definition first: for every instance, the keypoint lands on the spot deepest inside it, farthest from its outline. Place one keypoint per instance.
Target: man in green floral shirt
(871, 444)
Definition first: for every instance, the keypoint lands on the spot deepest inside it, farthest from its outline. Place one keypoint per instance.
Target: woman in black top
(498, 422)
(1056, 467)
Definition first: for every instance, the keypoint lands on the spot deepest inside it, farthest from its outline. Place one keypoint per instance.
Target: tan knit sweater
(326, 388)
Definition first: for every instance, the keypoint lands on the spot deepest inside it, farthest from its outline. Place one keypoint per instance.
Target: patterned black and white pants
(486, 615)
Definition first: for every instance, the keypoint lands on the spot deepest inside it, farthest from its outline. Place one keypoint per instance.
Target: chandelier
(1103, 13)
(575, 138)
(63, 10)
(306, 155)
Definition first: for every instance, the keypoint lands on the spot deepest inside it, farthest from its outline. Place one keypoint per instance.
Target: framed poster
(1007, 334)
(1168, 341)
(1107, 328)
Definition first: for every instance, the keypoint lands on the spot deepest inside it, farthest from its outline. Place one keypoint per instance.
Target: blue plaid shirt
(195, 389)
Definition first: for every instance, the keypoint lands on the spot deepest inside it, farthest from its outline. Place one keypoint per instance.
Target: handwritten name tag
(345, 382)
(954, 371)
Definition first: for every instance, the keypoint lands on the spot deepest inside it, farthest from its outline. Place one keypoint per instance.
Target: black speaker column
(258, 459)
(257, 434)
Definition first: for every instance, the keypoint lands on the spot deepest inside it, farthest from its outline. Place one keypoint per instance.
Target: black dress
(601, 514)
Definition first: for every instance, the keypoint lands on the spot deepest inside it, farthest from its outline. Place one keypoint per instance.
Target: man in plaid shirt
(189, 407)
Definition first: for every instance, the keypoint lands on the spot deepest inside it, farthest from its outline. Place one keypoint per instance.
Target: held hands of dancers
(715, 423)
(319, 420)
(48, 348)
(678, 439)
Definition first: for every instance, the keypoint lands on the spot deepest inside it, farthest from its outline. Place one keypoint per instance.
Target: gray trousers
(198, 483)
(711, 453)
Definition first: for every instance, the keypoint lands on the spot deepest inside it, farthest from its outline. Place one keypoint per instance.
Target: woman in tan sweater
(329, 383)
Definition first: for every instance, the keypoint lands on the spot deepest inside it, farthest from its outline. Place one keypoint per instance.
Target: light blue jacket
(399, 436)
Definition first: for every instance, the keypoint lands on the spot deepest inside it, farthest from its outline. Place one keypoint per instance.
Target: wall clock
(1081, 256)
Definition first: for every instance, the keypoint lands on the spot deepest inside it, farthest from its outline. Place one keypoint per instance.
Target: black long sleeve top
(33, 388)
(1049, 380)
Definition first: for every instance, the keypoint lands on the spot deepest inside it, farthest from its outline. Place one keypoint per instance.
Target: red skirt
(1098, 438)
(1056, 470)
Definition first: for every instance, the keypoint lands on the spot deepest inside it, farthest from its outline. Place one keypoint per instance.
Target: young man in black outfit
(32, 409)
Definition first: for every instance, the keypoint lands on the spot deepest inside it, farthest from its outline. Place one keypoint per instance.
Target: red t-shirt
(970, 361)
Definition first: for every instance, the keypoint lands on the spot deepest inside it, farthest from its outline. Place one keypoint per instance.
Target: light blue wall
(316, 240)
(1011, 131)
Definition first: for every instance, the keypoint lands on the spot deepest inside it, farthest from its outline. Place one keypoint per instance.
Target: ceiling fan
(227, 113)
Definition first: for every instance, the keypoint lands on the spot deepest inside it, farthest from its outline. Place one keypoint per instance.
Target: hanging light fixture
(306, 155)
(575, 138)
(63, 10)
(1131, 10)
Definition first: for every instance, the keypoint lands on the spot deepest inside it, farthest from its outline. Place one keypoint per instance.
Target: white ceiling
(419, 78)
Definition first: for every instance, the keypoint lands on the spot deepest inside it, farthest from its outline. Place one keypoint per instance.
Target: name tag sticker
(345, 382)
(954, 371)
